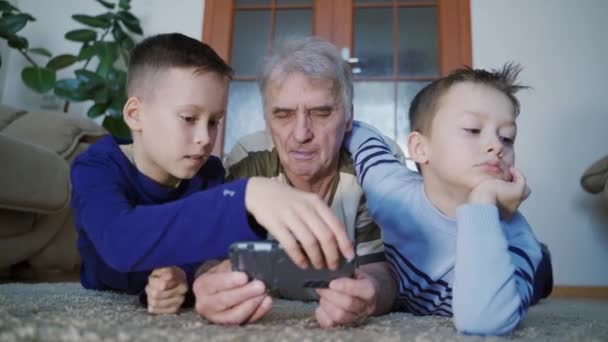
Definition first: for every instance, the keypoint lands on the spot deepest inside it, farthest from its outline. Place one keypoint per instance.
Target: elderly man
(307, 93)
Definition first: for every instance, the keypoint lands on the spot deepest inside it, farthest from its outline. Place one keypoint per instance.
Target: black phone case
(268, 262)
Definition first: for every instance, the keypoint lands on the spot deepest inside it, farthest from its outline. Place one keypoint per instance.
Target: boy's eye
(214, 123)
(187, 118)
(507, 140)
(472, 130)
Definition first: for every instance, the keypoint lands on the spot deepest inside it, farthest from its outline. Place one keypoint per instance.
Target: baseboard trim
(600, 292)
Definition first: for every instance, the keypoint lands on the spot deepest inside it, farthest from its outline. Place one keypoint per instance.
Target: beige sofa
(37, 235)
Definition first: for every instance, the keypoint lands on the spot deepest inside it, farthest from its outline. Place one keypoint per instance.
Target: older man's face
(307, 125)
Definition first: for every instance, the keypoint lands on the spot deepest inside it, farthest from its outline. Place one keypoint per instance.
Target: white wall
(54, 20)
(563, 126)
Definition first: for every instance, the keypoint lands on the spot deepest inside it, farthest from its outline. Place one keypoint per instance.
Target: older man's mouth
(302, 155)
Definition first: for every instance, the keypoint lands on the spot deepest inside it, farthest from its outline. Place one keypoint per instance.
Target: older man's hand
(299, 219)
(347, 301)
(226, 297)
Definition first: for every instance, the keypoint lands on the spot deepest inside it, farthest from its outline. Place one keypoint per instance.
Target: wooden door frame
(454, 30)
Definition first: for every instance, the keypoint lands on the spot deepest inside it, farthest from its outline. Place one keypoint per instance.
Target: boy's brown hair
(171, 50)
(425, 104)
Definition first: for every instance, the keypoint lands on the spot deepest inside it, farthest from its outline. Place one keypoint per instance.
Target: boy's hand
(226, 297)
(347, 301)
(293, 216)
(166, 290)
(506, 195)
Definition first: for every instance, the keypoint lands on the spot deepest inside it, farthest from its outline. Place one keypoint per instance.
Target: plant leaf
(97, 110)
(106, 51)
(124, 4)
(41, 51)
(103, 96)
(116, 126)
(38, 79)
(130, 21)
(71, 90)
(106, 4)
(5, 6)
(86, 51)
(88, 20)
(83, 35)
(122, 38)
(18, 43)
(61, 61)
(13, 23)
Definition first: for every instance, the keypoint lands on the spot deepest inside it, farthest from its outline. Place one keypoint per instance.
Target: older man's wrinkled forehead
(278, 78)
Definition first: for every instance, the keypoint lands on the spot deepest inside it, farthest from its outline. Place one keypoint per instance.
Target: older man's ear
(349, 123)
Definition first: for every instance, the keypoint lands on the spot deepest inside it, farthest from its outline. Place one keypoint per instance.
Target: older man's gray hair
(314, 58)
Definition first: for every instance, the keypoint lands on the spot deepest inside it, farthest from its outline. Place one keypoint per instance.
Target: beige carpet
(66, 312)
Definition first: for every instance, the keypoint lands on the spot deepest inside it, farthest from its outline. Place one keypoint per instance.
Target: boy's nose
(201, 137)
(494, 146)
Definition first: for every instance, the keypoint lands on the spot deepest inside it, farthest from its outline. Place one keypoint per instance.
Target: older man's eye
(281, 114)
(321, 112)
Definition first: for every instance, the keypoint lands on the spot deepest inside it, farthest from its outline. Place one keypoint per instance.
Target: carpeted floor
(66, 312)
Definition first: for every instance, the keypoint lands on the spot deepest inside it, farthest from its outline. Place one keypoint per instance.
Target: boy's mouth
(492, 167)
(196, 157)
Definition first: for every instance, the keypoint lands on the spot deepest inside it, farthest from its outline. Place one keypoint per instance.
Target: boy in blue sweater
(158, 201)
(456, 243)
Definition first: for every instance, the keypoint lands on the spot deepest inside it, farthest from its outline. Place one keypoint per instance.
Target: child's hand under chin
(506, 195)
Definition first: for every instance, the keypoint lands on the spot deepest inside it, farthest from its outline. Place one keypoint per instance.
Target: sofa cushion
(595, 178)
(56, 131)
(34, 179)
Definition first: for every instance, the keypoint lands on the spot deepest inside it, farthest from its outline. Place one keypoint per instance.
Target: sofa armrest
(32, 178)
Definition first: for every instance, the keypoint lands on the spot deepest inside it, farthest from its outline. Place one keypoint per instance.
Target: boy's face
(471, 137)
(179, 120)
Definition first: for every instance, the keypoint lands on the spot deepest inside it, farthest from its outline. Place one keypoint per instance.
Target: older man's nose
(302, 131)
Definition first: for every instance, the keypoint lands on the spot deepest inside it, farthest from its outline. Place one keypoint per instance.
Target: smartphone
(268, 262)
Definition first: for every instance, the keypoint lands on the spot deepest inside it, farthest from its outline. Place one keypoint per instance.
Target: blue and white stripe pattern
(474, 267)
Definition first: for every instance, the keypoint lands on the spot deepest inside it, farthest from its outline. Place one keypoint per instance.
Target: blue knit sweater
(474, 267)
(129, 225)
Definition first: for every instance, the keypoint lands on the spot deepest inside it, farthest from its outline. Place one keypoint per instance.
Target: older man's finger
(225, 300)
(264, 307)
(359, 287)
(239, 313)
(342, 301)
(211, 283)
(337, 314)
(323, 318)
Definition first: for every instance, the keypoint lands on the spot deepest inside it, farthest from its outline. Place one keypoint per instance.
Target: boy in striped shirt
(453, 236)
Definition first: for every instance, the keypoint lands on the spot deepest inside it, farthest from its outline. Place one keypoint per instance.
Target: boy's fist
(506, 195)
(166, 290)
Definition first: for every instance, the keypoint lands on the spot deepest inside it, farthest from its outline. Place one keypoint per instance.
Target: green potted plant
(102, 59)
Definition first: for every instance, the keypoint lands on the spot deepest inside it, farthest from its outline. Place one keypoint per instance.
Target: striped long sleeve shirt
(475, 267)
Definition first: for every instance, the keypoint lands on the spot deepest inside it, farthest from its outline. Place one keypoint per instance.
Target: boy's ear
(418, 147)
(131, 113)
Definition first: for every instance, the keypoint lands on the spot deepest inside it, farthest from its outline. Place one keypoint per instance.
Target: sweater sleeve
(132, 238)
(385, 180)
(494, 269)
